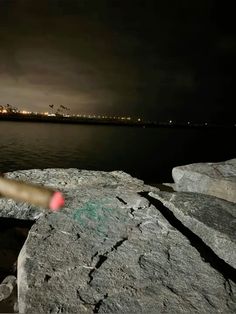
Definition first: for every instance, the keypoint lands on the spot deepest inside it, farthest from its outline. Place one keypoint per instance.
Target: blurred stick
(31, 193)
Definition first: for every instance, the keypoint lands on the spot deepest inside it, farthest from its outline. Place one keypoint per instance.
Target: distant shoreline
(96, 121)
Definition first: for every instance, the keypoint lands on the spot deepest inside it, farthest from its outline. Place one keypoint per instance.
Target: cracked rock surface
(217, 179)
(211, 218)
(111, 250)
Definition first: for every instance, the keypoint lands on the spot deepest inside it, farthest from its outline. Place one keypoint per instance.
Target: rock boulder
(217, 179)
(211, 218)
(111, 250)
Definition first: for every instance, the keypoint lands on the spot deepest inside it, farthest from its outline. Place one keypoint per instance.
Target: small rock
(6, 287)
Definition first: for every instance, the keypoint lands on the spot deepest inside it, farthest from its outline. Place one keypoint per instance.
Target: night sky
(154, 59)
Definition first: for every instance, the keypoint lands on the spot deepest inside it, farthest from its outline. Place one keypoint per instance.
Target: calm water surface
(147, 153)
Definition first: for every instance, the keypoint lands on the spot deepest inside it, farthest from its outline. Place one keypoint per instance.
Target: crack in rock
(83, 301)
(101, 260)
(118, 244)
(47, 278)
(132, 212)
(131, 209)
(103, 257)
(99, 303)
(121, 200)
(206, 253)
(51, 229)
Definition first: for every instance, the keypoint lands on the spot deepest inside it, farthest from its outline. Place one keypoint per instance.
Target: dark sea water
(147, 153)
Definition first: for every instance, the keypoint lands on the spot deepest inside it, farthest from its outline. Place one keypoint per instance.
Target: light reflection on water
(147, 153)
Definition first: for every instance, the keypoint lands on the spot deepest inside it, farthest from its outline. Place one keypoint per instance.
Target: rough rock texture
(6, 287)
(211, 218)
(110, 250)
(73, 182)
(217, 179)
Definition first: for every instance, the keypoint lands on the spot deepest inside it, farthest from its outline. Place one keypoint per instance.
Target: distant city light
(10, 110)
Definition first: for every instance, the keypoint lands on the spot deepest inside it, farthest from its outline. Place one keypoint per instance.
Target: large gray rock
(110, 251)
(217, 179)
(211, 218)
(139, 265)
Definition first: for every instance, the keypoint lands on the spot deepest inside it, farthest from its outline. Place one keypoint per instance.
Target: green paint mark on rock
(94, 215)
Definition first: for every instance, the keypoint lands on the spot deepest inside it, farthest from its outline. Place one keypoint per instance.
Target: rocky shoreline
(121, 246)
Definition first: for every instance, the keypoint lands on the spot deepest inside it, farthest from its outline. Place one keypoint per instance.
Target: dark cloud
(142, 58)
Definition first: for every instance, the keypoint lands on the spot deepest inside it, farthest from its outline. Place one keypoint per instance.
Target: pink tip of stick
(57, 201)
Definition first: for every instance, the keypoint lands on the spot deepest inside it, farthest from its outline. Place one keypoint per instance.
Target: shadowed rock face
(217, 179)
(13, 233)
(211, 218)
(111, 250)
